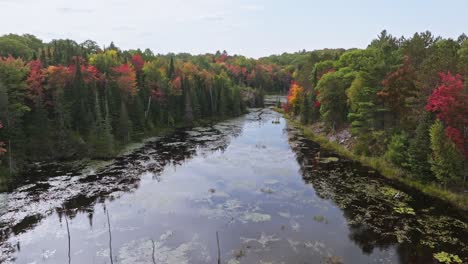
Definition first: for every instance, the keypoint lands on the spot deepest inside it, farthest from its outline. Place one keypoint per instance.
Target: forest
(65, 101)
(404, 101)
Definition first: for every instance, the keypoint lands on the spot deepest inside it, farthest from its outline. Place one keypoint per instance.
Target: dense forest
(63, 100)
(404, 100)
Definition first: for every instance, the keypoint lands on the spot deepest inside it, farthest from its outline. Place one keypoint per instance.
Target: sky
(253, 28)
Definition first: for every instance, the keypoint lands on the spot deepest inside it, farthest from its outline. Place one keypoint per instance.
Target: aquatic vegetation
(167, 190)
(333, 260)
(447, 258)
(256, 217)
(264, 240)
(267, 190)
(233, 261)
(402, 208)
(329, 159)
(320, 219)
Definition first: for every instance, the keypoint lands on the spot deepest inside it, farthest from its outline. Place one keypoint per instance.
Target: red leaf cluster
(176, 85)
(137, 62)
(450, 104)
(126, 79)
(35, 80)
(398, 87)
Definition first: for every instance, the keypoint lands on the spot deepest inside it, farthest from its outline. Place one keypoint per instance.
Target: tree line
(63, 100)
(404, 99)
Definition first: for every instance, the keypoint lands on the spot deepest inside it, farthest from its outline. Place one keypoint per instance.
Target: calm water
(269, 194)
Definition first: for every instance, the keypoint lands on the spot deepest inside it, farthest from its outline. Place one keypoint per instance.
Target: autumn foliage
(451, 107)
(137, 62)
(293, 99)
(126, 79)
(35, 80)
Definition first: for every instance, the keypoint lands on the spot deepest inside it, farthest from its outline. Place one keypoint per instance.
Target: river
(246, 190)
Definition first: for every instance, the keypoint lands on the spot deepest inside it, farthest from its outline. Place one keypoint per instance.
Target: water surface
(266, 192)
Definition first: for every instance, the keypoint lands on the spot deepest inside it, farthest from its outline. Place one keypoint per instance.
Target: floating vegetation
(285, 214)
(233, 261)
(142, 251)
(333, 260)
(264, 241)
(329, 159)
(321, 219)
(404, 210)
(256, 217)
(267, 190)
(447, 258)
(394, 193)
(294, 225)
(239, 253)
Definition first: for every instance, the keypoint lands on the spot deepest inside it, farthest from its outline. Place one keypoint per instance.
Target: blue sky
(253, 28)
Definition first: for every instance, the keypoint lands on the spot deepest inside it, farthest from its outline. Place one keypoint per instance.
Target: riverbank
(8, 181)
(389, 171)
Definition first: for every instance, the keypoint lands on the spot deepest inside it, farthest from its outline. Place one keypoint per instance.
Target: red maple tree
(137, 62)
(450, 104)
(35, 81)
(126, 79)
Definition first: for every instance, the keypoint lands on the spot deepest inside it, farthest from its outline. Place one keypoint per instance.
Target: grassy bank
(386, 169)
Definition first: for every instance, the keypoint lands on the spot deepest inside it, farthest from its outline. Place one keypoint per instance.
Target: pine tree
(171, 71)
(124, 127)
(236, 101)
(78, 98)
(420, 149)
(188, 111)
(103, 145)
(305, 110)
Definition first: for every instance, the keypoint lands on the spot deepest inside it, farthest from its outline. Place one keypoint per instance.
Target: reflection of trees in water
(369, 204)
(123, 175)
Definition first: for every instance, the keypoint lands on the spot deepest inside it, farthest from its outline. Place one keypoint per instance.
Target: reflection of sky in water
(252, 194)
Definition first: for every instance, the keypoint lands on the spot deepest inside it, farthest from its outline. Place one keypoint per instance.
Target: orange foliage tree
(294, 98)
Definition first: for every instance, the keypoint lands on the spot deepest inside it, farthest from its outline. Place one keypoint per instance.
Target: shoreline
(387, 170)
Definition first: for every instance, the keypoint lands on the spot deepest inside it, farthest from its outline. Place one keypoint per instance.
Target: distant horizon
(256, 28)
(103, 46)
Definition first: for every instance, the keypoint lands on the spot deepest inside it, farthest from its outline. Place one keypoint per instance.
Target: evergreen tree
(305, 110)
(124, 127)
(419, 150)
(78, 98)
(103, 143)
(188, 111)
(397, 150)
(171, 71)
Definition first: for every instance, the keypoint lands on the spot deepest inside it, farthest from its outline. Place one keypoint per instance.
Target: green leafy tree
(446, 161)
(332, 96)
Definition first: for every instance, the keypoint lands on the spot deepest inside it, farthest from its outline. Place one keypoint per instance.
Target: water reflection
(72, 190)
(253, 187)
(381, 214)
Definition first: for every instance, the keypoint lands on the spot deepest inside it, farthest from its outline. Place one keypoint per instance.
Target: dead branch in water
(152, 255)
(110, 237)
(219, 250)
(69, 239)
